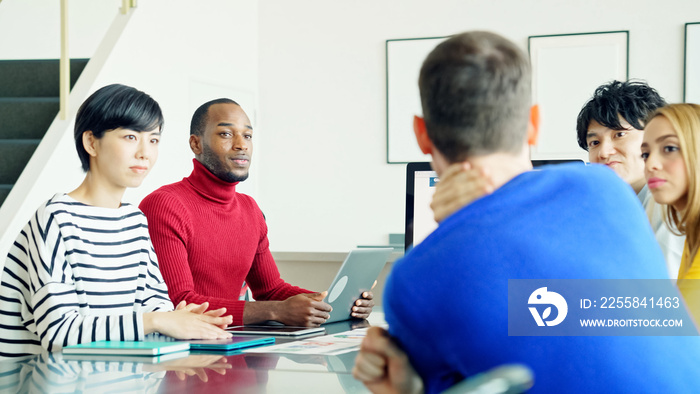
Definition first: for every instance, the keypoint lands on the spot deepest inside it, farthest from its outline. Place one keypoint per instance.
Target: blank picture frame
(404, 58)
(691, 67)
(566, 70)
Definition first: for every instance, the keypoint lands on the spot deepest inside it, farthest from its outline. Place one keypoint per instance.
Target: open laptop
(420, 186)
(276, 329)
(357, 275)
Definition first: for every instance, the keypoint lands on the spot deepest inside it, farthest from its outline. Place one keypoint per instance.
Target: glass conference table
(196, 373)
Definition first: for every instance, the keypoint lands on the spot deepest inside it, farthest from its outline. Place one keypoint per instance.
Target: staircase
(29, 103)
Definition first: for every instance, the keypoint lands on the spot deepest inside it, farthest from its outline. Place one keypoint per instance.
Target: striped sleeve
(45, 305)
(56, 301)
(16, 314)
(156, 292)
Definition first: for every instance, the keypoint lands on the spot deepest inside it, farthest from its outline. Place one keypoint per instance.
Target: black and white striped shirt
(76, 274)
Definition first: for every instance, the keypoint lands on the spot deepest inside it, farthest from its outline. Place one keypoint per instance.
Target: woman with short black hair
(83, 269)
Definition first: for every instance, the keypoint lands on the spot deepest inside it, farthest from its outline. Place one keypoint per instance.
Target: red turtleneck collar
(209, 186)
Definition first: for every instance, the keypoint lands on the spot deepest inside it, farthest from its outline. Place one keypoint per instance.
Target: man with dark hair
(446, 302)
(610, 127)
(207, 157)
(618, 106)
(210, 239)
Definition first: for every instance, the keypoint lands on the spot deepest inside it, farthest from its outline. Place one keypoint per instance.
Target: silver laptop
(357, 274)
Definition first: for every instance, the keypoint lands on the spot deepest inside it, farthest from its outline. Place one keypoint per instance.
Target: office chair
(504, 379)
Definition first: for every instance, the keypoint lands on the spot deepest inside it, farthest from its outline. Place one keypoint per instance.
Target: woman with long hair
(670, 149)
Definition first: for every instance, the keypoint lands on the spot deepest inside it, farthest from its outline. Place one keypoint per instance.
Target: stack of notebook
(165, 348)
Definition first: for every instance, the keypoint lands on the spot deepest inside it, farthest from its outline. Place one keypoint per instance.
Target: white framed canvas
(404, 58)
(691, 78)
(566, 70)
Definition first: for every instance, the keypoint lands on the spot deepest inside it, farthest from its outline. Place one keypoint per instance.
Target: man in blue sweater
(446, 302)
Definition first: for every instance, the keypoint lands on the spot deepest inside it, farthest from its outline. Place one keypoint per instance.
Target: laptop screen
(420, 187)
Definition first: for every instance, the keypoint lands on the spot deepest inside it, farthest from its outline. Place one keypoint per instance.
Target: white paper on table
(328, 345)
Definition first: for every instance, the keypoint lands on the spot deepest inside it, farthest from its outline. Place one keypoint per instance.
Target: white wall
(180, 52)
(325, 185)
(31, 28)
(321, 177)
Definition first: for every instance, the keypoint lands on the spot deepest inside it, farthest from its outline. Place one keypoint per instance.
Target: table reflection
(190, 373)
(49, 373)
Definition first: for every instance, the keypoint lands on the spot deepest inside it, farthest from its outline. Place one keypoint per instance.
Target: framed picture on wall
(404, 58)
(691, 78)
(566, 70)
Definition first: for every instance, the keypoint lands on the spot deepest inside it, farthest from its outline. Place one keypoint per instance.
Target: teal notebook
(125, 358)
(233, 343)
(218, 345)
(132, 348)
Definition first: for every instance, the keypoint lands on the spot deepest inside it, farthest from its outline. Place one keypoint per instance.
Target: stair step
(4, 191)
(26, 117)
(14, 156)
(35, 78)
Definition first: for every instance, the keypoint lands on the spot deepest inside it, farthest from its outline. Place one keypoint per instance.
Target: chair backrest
(507, 378)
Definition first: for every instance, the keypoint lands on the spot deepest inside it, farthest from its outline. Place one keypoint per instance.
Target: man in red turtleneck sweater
(209, 238)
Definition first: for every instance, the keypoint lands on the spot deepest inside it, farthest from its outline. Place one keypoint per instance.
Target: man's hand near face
(459, 186)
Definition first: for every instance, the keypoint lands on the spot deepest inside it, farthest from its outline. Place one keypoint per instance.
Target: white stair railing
(64, 81)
